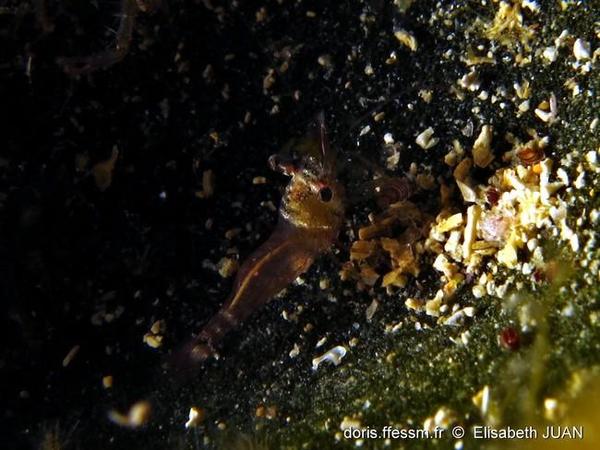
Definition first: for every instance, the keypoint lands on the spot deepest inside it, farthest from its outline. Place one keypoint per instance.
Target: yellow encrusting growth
(508, 28)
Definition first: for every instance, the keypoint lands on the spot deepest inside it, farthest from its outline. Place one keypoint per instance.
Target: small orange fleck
(103, 171)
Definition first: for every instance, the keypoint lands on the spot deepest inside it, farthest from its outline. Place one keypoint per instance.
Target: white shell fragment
(295, 351)
(195, 417)
(482, 400)
(482, 154)
(407, 39)
(523, 106)
(335, 356)
(365, 130)
(581, 50)
(470, 81)
(468, 193)
(531, 6)
(425, 140)
(548, 116)
(455, 319)
(371, 309)
(562, 39)
(550, 53)
(473, 213)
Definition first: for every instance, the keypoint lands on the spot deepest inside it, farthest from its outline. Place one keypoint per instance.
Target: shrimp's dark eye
(326, 194)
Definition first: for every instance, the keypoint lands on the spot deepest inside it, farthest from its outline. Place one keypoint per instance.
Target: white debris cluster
(335, 356)
(505, 220)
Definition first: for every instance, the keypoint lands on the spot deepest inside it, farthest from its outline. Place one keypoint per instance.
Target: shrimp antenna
(324, 143)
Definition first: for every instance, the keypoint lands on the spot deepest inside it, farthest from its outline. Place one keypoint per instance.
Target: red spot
(492, 196)
(509, 338)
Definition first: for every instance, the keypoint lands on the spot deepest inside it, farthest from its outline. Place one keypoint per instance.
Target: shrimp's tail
(192, 355)
(188, 360)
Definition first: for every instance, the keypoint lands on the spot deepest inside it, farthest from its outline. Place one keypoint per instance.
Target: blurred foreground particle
(103, 170)
(335, 355)
(155, 337)
(196, 417)
(138, 415)
(71, 355)
(208, 184)
(107, 381)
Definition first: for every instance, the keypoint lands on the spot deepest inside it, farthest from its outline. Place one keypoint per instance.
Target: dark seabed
(134, 176)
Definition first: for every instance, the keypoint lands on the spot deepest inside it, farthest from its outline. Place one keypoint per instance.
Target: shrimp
(310, 216)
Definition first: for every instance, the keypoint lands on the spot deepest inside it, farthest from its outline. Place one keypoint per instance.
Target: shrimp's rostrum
(310, 217)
